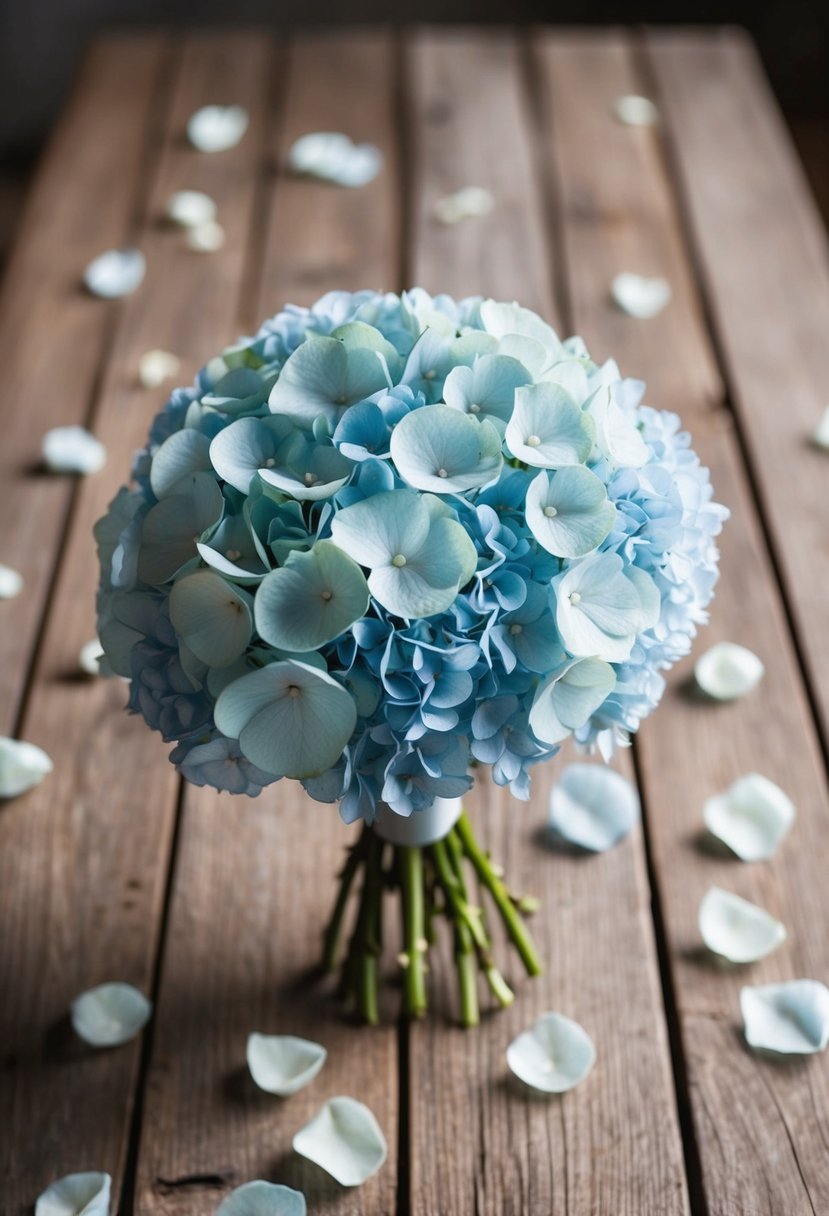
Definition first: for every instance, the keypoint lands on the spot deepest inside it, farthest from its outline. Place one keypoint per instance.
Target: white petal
(635, 111)
(22, 766)
(821, 434)
(88, 657)
(156, 366)
(11, 583)
(345, 1140)
(639, 296)
(115, 273)
(751, 817)
(110, 1014)
(206, 238)
(736, 929)
(333, 157)
(189, 208)
(263, 1199)
(72, 449)
(554, 1056)
(792, 1018)
(728, 671)
(217, 128)
(281, 1063)
(592, 806)
(76, 1195)
(467, 203)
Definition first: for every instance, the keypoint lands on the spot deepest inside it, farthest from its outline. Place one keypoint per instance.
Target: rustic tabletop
(215, 906)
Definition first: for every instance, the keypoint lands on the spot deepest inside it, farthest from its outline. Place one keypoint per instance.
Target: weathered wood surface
(220, 918)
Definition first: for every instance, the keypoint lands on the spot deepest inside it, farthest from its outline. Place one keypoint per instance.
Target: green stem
(515, 926)
(498, 985)
(331, 937)
(411, 871)
(468, 931)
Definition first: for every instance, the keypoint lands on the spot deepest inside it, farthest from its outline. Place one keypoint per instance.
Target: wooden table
(214, 906)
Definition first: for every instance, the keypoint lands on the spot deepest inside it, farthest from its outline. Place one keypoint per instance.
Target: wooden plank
(761, 1128)
(255, 880)
(52, 333)
(84, 858)
(762, 254)
(478, 1142)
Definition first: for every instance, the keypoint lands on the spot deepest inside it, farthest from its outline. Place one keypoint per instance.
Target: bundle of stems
(432, 881)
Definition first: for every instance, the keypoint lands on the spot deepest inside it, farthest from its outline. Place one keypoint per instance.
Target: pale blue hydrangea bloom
(523, 530)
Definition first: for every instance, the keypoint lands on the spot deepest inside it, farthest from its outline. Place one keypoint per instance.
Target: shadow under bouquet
(390, 538)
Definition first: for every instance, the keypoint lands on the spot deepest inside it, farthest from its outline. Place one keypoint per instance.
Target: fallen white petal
(88, 657)
(189, 208)
(554, 1056)
(156, 366)
(345, 1140)
(467, 203)
(821, 434)
(263, 1199)
(736, 929)
(115, 273)
(217, 128)
(333, 157)
(283, 1063)
(206, 238)
(72, 449)
(635, 111)
(592, 806)
(22, 766)
(110, 1014)
(639, 296)
(728, 671)
(11, 583)
(792, 1018)
(76, 1195)
(752, 816)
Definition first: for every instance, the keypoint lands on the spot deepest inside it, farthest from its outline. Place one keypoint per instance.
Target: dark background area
(42, 40)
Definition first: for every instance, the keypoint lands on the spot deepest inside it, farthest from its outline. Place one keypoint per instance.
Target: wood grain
(761, 1126)
(84, 857)
(479, 1142)
(52, 333)
(763, 264)
(255, 880)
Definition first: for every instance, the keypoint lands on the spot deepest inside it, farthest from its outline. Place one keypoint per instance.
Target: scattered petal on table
(110, 1014)
(263, 1199)
(156, 366)
(752, 816)
(189, 208)
(11, 583)
(88, 657)
(76, 1195)
(207, 237)
(554, 1056)
(821, 435)
(592, 806)
(635, 111)
(283, 1063)
(345, 1140)
(464, 204)
(72, 449)
(115, 273)
(22, 766)
(792, 1018)
(736, 929)
(217, 128)
(333, 157)
(728, 671)
(639, 296)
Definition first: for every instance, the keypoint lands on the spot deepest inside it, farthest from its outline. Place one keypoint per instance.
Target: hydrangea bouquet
(388, 539)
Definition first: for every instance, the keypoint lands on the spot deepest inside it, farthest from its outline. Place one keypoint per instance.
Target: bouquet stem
(433, 880)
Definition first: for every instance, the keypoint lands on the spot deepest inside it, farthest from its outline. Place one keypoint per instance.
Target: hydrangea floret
(390, 537)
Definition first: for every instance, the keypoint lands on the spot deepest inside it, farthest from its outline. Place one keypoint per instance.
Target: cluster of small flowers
(392, 536)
